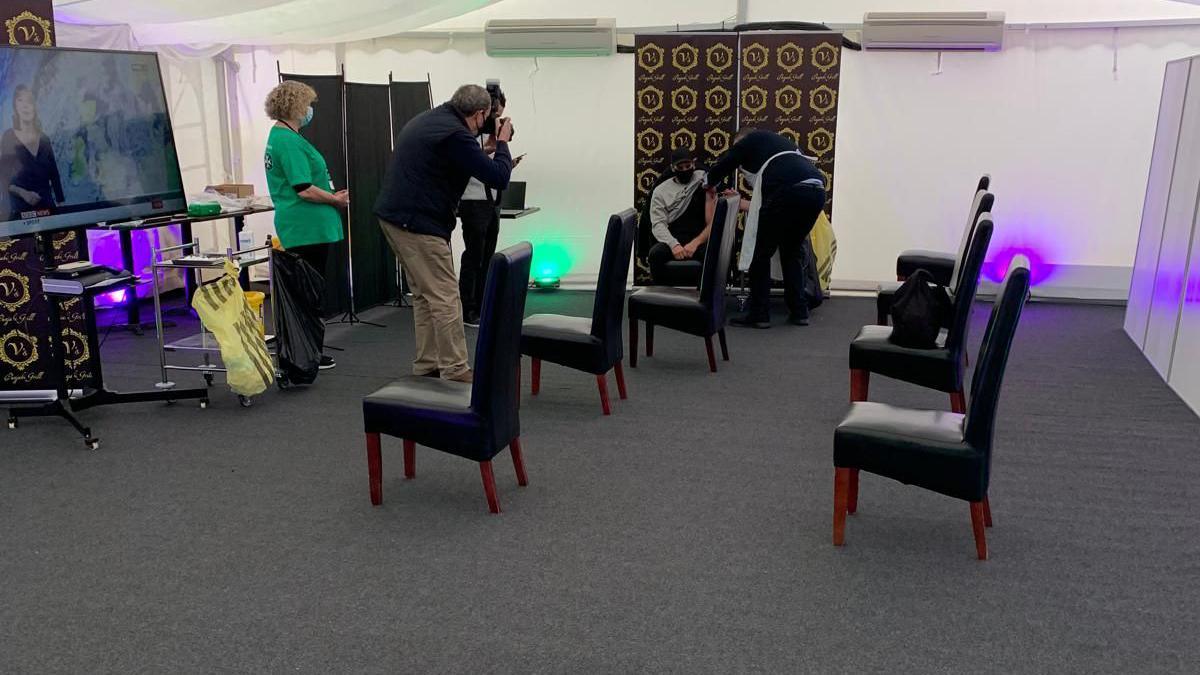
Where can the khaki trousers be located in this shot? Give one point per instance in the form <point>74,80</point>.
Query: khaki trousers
<point>437,312</point>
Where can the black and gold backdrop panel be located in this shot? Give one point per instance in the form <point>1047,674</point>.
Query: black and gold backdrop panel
<point>685,95</point>
<point>699,89</point>
<point>789,85</point>
<point>25,358</point>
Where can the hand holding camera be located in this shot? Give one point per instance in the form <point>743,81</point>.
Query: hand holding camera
<point>505,133</point>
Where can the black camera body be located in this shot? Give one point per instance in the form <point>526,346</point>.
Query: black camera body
<point>498,100</point>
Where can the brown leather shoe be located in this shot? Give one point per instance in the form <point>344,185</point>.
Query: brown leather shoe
<point>466,377</point>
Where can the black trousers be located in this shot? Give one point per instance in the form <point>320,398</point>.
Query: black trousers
<point>785,220</point>
<point>481,226</point>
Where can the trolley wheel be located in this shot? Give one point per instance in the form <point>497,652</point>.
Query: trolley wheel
<point>203,404</point>
<point>208,379</point>
<point>283,383</point>
<point>245,401</point>
<point>92,443</point>
<point>12,423</point>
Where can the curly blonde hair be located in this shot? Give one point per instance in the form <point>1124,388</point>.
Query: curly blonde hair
<point>289,100</point>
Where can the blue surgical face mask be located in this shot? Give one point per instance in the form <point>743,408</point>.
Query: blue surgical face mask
<point>308,115</point>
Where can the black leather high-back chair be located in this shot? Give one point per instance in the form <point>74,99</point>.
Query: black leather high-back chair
<point>591,345</point>
<point>475,421</point>
<point>945,268</point>
<point>948,453</point>
<point>695,312</point>
<point>941,368</point>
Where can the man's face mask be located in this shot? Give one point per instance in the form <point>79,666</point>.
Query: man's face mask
<point>684,171</point>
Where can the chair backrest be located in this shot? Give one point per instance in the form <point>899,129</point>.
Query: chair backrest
<point>983,203</point>
<point>964,296</point>
<point>719,256</point>
<point>993,357</point>
<point>985,182</point>
<point>608,312</point>
<point>498,348</point>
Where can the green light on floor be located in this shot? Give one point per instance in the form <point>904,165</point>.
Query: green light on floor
<point>550,261</point>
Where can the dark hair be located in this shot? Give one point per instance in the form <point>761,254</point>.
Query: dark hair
<point>743,132</point>
<point>24,89</point>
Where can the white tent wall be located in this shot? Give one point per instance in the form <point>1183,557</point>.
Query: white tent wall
<point>573,117</point>
<point>1066,139</point>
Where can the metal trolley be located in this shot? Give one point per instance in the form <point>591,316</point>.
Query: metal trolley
<point>204,342</point>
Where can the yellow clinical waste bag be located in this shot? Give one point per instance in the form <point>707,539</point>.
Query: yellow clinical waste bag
<point>824,244</point>
<point>224,311</point>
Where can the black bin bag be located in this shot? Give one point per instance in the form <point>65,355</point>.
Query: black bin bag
<point>919,310</point>
<point>300,331</point>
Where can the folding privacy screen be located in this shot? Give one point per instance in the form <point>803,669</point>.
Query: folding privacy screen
<point>1163,314</point>
<point>353,128</point>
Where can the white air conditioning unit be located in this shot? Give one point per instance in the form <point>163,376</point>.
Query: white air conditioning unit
<point>935,31</point>
<point>550,37</point>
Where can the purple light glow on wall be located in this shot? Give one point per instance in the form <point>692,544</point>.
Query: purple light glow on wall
<point>105,249</point>
<point>995,269</point>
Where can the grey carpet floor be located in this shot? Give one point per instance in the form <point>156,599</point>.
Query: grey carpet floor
<point>688,532</point>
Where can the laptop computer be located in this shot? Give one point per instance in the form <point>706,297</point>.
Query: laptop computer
<point>512,201</point>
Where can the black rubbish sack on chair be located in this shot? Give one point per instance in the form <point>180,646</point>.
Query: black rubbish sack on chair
<point>919,311</point>
<point>299,329</point>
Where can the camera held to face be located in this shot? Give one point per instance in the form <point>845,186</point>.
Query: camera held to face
<point>490,125</point>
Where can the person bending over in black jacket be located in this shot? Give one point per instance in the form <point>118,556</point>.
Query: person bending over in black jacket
<point>436,155</point>
<point>789,193</point>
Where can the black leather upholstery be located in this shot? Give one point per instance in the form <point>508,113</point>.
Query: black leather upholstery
<point>680,273</point>
<point>592,345</point>
<point>472,421</point>
<point>945,452</point>
<point>944,266</point>
<point>696,312</point>
<point>940,368</point>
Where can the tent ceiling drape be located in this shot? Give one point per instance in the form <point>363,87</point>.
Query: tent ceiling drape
<point>269,22</point>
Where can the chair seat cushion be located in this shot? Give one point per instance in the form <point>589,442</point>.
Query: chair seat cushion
<point>565,340</point>
<point>933,368</point>
<point>433,412</point>
<point>676,308</point>
<point>938,263</point>
<point>916,447</point>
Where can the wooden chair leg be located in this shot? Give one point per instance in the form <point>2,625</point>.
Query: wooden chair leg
<point>602,385</point>
<point>958,402</point>
<point>619,370</point>
<point>860,384</point>
<point>841,493</point>
<point>977,524</point>
<point>987,512</point>
<point>724,345</point>
<point>536,384</point>
<point>852,495</point>
<point>375,469</point>
<point>514,449</point>
<point>649,339</point>
<point>712,357</point>
<point>633,343</point>
<point>489,486</point>
<point>901,278</point>
<point>410,459</point>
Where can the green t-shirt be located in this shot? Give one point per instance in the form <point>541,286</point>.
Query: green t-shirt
<point>291,160</point>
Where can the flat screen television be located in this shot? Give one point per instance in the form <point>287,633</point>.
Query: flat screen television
<point>85,137</point>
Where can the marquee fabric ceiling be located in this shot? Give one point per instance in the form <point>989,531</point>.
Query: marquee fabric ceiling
<point>329,21</point>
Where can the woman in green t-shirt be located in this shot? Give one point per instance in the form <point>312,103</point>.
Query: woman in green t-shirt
<point>307,218</point>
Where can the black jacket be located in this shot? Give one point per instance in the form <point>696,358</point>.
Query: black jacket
<point>756,148</point>
<point>435,157</point>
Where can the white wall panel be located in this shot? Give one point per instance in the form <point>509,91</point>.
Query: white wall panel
<point>1177,235</point>
<point>1154,210</point>
<point>1184,377</point>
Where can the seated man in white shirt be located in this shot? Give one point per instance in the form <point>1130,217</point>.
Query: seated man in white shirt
<point>681,214</point>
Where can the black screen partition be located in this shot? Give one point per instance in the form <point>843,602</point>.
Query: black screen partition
<point>369,143</point>
<point>327,133</point>
<point>409,99</point>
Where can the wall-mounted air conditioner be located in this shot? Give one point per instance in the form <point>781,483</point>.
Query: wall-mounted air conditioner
<point>550,37</point>
<point>936,31</point>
